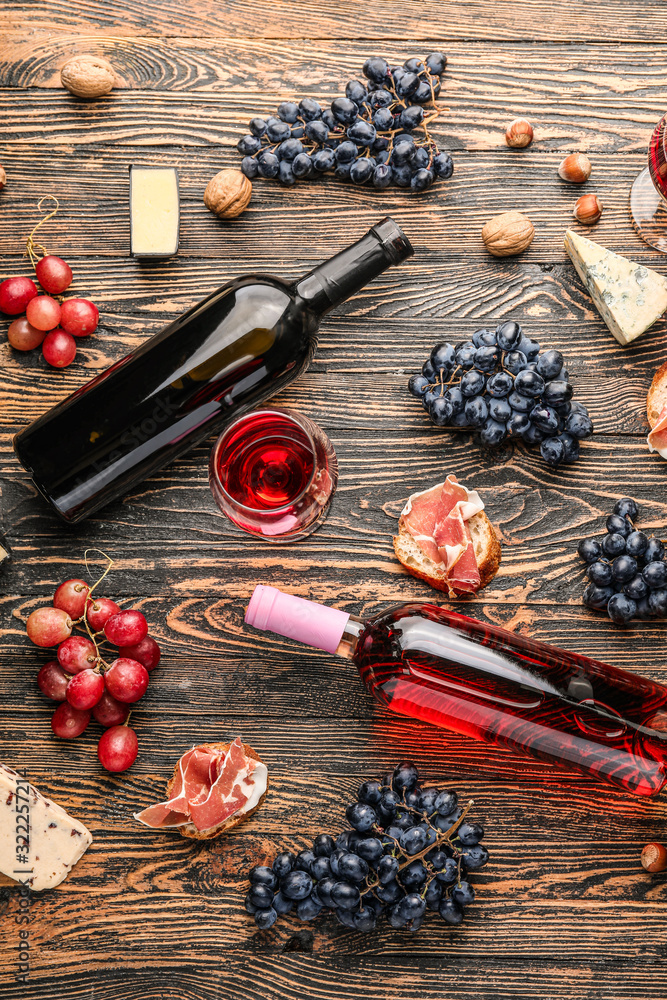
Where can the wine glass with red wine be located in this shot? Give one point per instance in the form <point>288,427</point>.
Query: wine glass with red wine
<point>648,195</point>
<point>273,472</point>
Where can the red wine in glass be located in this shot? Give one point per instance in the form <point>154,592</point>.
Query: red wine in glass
<point>273,472</point>
<point>648,195</point>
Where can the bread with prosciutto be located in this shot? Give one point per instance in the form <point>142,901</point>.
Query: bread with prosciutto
<point>656,411</point>
<point>214,787</point>
<point>445,538</point>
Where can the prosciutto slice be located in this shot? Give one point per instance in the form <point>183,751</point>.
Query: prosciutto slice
<point>437,519</point>
<point>210,786</point>
<point>657,439</point>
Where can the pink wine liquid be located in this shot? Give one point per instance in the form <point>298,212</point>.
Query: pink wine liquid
<point>657,157</point>
<point>431,664</point>
<point>268,461</point>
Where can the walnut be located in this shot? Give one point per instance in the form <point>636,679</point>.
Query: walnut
<point>508,234</point>
<point>228,193</point>
<point>88,76</point>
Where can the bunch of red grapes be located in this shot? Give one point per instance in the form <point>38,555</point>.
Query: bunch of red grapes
<point>48,322</point>
<point>85,683</point>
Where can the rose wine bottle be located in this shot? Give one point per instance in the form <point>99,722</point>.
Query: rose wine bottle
<point>423,661</point>
<point>241,345</point>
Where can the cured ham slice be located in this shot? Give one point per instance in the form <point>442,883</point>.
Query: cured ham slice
<point>657,439</point>
<point>437,519</point>
<point>225,796</point>
<point>210,785</point>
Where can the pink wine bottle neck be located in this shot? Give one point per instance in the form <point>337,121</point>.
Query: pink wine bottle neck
<point>306,621</point>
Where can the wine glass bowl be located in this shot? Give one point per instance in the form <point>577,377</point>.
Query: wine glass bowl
<point>273,472</point>
<point>648,204</point>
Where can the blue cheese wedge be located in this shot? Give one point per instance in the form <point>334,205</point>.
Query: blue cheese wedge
<point>39,842</point>
<point>628,296</point>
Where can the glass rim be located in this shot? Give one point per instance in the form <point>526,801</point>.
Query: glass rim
<point>296,418</point>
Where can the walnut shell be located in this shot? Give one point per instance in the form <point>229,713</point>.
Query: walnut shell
<point>228,193</point>
<point>87,76</point>
<point>508,234</point>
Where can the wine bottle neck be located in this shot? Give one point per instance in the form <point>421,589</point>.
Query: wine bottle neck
<point>347,646</point>
<point>337,279</point>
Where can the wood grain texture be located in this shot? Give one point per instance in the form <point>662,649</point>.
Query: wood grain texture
<point>504,20</point>
<point>564,911</point>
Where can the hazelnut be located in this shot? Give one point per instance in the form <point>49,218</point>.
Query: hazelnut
<point>508,234</point>
<point>587,209</point>
<point>88,76</point>
<point>228,193</point>
<point>575,168</point>
<point>654,858</point>
<point>519,133</point>
<point>3,178</point>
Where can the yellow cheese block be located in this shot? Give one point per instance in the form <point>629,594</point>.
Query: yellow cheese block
<point>154,211</point>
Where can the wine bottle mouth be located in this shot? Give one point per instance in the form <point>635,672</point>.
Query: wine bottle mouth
<point>393,239</point>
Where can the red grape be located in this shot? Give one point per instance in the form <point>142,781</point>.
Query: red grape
<point>79,317</point>
<point>48,626</point>
<point>99,611</point>
<point>53,274</point>
<point>71,597</point>
<point>15,294</point>
<point>76,653</point>
<point>24,337</point>
<point>69,722</point>
<point>126,628</point>
<point>147,652</point>
<point>118,748</point>
<point>109,712</point>
<point>59,348</point>
<point>43,312</point>
<point>126,680</point>
<point>52,681</point>
<point>85,689</point>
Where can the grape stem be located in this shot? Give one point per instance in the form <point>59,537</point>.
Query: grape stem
<point>443,838</point>
<point>30,244</point>
<point>101,664</point>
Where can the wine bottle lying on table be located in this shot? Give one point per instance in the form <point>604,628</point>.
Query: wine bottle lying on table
<point>241,345</point>
<point>479,680</point>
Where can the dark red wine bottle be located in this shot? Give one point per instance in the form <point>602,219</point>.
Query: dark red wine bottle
<point>479,680</point>
<point>241,345</point>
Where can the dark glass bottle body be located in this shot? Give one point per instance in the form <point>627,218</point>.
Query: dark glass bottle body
<point>240,346</point>
<point>428,663</point>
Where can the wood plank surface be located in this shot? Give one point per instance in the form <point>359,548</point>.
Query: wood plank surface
<point>564,911</point>
<point>503,20</point>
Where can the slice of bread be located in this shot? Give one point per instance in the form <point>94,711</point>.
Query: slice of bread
<point>190,830</point>
<point>657,395</point>
<point>485,544</point>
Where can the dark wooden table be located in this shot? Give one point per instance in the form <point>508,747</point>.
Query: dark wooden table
<point>564,911</point>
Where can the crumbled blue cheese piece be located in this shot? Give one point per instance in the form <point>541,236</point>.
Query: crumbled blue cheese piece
<point>39,842</point>
<point>628,296</point>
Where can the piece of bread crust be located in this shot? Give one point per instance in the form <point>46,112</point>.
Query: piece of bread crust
<point>485,544</point>
<point>657,395</point>
<point>190,830</point>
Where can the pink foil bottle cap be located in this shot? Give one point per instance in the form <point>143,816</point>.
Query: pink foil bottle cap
<point>313,624</point>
